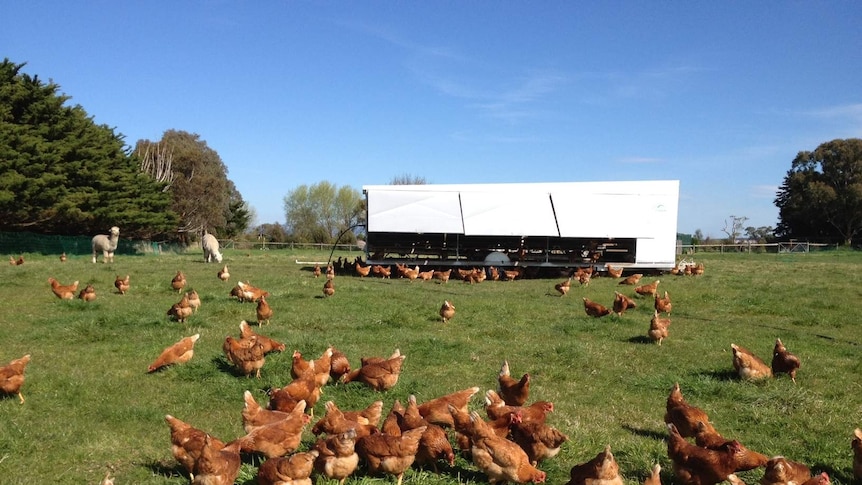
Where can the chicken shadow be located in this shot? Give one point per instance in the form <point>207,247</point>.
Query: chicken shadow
<point>641,339</point>
<point>646,433</point>
<point>224,366</point>
<point>722,375</point>
<point>162,469</point>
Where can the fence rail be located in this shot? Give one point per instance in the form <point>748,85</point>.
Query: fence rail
<point>749,247</point>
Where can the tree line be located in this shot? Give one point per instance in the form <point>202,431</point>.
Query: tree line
<point>62,173</point>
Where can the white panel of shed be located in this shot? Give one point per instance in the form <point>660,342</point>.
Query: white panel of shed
<point>414,212</point>
<point>499,213</point>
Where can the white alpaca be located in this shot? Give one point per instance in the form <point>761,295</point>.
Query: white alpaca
<point>210,245</point>
<point>106,244</point>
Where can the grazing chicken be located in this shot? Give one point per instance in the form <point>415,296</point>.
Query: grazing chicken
<point>178,353</point>
<point>613,272</point>
<point>783,362</point>
<point>822,479</point>
<point>655,476</point>
<point>594,309</point>
<point>303,388</point>
<point>300,366</point>
<point>88,293</point>
<point>178,282</point>
<point>316,271</point>
<point>277,438</point>
<point>496,408</point>
<point>412,274</point>
<point>683,415</point>
<point>63,292</point>
<point>436,411</point>
<point>269,344</point>
<point>622,303</point>
<point>223,274</point>
<point>122,284</point>
<point>584,278</point>
<point>434,444</point>
<point>263,311</point>
<point>12,377</point>
<point>328,288</point>
<point>500,459</point>
<point>247,355</point>
<point>563,287</point>
<point>194,300</point>
<point>16,262</point>
<point>63,258</point>
<point>388,454</point>
<point>513,391</point>
<point>251,293</point>
<point>426,275</point>
<point>443,276</point>
<point>181,310</point>
<point>330,272</point>
<point>601,470</point>
<point>781,471</point>
<point>511,274</point>
<point>743,459</point>
<point>659,328</point>
<point>694,465</point>
<point>322,366</point>
<point>288,470</point>
<point>362,271</point>
<point>335,421</point>
<point>494,273</point>
<point>337,458</point>
<point>856,446</point>
<point>187,443</point>
<point>217,465</point>
<point>254,416</point>
<point>539,440</point>
<point>748,365</point>
<point>663,304</point>
<point>380,376</point>
<point>632,279</point>
<point>649,289</point>
<point>338,365</point>
<point>447,311</point>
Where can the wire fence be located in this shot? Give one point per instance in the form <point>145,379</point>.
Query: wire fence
<point>751,247</point>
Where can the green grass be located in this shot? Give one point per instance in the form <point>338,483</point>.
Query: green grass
<point>90,405</point>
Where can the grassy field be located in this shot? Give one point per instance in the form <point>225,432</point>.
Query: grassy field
<point>91,407</point>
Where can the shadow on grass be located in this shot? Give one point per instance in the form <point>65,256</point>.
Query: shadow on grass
<point>722,375</point>
<point>646,433</point>
<point>162,469</point>
<point>641,339</point>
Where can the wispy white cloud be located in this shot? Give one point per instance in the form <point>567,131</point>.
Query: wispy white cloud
<point>763,191</point>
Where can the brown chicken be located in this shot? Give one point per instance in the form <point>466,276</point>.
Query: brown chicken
<point>246,355</point>
<point>648,289</point>
<point>288,470</point>
<point>335,421</point>
<point>539,440</point>
<point>12,377</point>
<point>380,376</point>
<point>683,415</point>
<point>390,454</point>
<point>443,276</point>
<point>330,271</point>
<point>821,479</point>
<point>514,392</point>
<point>426,275</point>
<point>16,262</point>
<point>613,272</point>
<point>783,362</point>
<point>122,284</point>
<point>194,300</point>
<point>744,459</point>
<point>263,311</point>
<point>178,282</point>
<point>269,344</point>
<point>447,311</point>
<point>511,274</point>
<point>319,369</point>
<point>64,292</point>
<point>601,470</point>
<point>659,328</point>
<point>594,309</point>
<point>362,271</point>
<point>496,408</point>
<point>500,459</point>
<point>328,288</point>
<point>748,365</point>
<point>622,303</point>
<point>856,446</point>
<point>217,465</point>
<point>254,416</point>
<point>631,279</point>
<point>338,365</point>
<point>187,443</point>
<point>181,310</point>
<point>278,438</point>
<point>436,411</point>
<point>302,388</point>
<point>88,293</point>
<point>63,258</point>
<point>781,471</point>
<point>694,465</point>
<point>663,304</point>
<point>251,293</point>
<point>178,353</point>
<point>223,274</point>
<point>655,476</point>
<point>412,274</point>
<point>337,458</point>
<point>563,287</point>
<point>434,444</point>
<point>316,271</point>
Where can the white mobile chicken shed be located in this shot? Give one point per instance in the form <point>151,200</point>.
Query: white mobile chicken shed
<point>630,223</point>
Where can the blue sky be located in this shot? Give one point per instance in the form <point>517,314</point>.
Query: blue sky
<point>719,95</point>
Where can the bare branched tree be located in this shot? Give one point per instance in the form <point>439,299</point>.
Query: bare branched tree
<point>157,163</point>
<point>733,228</point>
